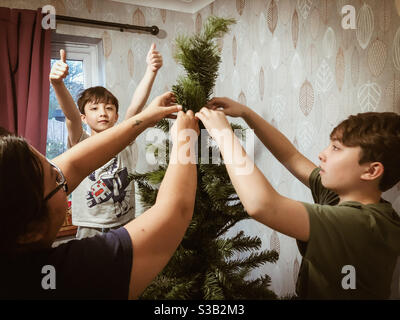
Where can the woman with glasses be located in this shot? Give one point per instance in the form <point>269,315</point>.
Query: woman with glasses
<point>33,204</point>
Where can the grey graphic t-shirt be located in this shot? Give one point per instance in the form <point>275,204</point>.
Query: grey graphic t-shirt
<point>106,198</point>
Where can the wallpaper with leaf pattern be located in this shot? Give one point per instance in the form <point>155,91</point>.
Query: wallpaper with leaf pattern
<point>289,60</point>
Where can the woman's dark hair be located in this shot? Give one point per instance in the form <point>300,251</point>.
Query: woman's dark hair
<point>21,190</point>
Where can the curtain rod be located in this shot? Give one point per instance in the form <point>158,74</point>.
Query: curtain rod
<point>153,29</point>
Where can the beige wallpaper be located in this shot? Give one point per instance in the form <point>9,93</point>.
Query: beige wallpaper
<point>290,60</point>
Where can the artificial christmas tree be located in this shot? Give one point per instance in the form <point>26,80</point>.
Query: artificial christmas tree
<point>204,265</point>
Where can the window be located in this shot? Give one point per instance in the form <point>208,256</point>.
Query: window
<point>86,69</point>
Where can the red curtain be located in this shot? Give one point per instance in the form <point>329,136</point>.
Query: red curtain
<point>25,52</point>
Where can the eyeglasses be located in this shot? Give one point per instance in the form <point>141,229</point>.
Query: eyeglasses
<point>62,183</point>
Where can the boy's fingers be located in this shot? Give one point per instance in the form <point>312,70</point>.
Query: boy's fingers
<point>63,56</point>
<point>200,117</point>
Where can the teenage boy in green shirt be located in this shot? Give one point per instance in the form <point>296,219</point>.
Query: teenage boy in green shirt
<point>349,239</point>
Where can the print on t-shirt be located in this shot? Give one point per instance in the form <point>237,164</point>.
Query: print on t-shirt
<point>111,184</point>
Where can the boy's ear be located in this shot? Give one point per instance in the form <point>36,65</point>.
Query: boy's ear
<point>83,118</point>
<point>373,171</point>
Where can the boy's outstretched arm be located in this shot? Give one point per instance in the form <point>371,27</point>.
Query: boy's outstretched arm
<point>58,72</point>
<point>283,150</point>
<point>157,233</point>
<point>259,198</point>
<point>154,62</point>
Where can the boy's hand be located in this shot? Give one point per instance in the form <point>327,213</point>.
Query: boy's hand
<point>161,107</point>
<point>214,121</point>
<point>228,106</point>
<point>59,71</point>
<point>154,59</point>
<point>184,121</point>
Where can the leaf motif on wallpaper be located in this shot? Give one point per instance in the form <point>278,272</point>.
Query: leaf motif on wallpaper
<point>255,64</point>
<point>305,135</point>
<point>297,71</point>
<point>324,77</point>
<point>306,98</point>
<point>234,50</point>
<point>252,88</point>
<point>329,43</point>
<point>304,7</point>
<point>130,63</point>
<point>272,16</point>
<point>199,23</point>
<point>236,86</point>
<point>275,52</point>
<point>262,28</point>
<point>377,56</point>
<point>75,5</point>
<point>138,18</point>
<point>397,3</point>
<point>365,25</point>
<point>163,13</point>
<point>369,96</point>
<point>89,5</point>
<point>396,50</point>
<point>347,38</point>
<point>107,44</point>
<point>281,77</point>
<point>323,5</point>
<point>340,69</point>
<point>242,98</point>
<point>285,11</point>
<point>240,5</point>
<point>278,106</point>
<point>261,83</point>
<point>385,15</point>
<point>295,28</point>
<point>339,5</point>
<point>312,59</point>
<point>274,242</point>
<point>314,23</point>
<point>59,5</point>
<point>355,66</point>
<point>330,112</point>
<point>296,269</point>
<point>392,95</point>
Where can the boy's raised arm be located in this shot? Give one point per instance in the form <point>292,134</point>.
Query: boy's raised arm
<point>142,92</point>
<point>283,150</point>
<point>58,72</point>
<point>259,198</point>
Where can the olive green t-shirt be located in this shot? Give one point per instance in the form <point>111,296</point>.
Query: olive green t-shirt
<point>352,249</point>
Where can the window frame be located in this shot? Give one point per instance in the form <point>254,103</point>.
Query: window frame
<point>88,50</point>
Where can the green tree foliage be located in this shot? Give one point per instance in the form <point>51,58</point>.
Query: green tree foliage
<point>208,264</point>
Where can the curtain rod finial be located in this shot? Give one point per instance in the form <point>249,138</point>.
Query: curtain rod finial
<point>154,30</point>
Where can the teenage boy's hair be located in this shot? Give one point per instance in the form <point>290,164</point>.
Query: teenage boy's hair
<point>378,135</point>
<point>96,95</point>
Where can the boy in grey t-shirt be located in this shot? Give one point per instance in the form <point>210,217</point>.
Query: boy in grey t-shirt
<point>105,199</point>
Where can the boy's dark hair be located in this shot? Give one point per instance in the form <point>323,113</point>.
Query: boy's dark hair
<point>378,135</point>
<point>96,95</point>
<point>21,190</point>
